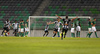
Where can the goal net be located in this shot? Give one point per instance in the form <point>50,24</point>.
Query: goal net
<point>37,25</point>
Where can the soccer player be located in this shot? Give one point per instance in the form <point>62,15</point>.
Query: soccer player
<point>89,28</point>
<point>93,28</point>
<point>26,28</point>
<point>57,24</point>
<point>65,25</point>
<point>46,29</point>
<point>73,27</point>
<point>15,27</point>
<point>19,29</point>
<point>6,28</point>
<point>21,26</point>
<point>78,28</point>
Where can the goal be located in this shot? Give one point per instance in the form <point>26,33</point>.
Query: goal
<point>37,25</point>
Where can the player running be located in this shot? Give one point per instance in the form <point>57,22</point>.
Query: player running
<point>57,24</point>
<point>65,25</point>
<point>26,28</point>
<point>6,28</point>
<point>15,28</point>
<point>78,28</point>
<point>93,28</point>
<point>46,29</point>
<point>89,28</point>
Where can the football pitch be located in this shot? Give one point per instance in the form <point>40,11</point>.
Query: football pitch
<point>49,45</point>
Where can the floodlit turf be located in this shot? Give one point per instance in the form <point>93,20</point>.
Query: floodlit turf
<point>48,45</point>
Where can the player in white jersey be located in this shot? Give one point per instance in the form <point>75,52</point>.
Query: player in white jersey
<point>6,28</point>
<point>15,28</point>
<point>46,29</point>
<point>57,24</point>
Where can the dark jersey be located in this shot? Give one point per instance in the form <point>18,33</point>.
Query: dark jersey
<point>94,22</point>
<point>7,24</point>
<point>78,23</point>
<point>66,21</point>
<point>89,23</point>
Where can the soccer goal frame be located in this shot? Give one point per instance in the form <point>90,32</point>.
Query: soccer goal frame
<point>70,17</point>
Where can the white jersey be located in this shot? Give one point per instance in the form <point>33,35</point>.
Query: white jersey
<point>15,25</point>
<point>46,27</point>
<point>57,24</point>
<point>7,24</point>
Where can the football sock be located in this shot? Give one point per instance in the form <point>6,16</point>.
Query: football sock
<point>43,34</point>
<point>77,34</point>
<point>87,34</point>
<point>54,35</point>
<point>27,33</point>
<point>96,34</point>
<point>47,34</point>
<point>90,34</point>
<point>58,34</point>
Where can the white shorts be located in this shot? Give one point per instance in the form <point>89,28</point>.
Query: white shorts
<point>78,28</point>
<point>72,30</point>
<point>22,30</point>
<point>90,29</point>
<point>19,30</point>
<point>93,29</point>
<point>58,29</point>
<point>27,29</point>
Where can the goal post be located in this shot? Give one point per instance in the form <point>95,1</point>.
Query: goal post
<point>37,24</point>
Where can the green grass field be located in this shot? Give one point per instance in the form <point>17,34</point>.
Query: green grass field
<point>48,45</point>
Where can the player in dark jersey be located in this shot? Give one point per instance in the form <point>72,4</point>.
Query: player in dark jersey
<point>65,25</point>
<point>21,26</point>
<point>57,24</point>
<point>46,29</point>
<point>19,29</point>
<point>89,28</point>
<point>78,28</point>
<point>6,28</point>
<point>73,27</point>
<point>93,28</point>
<point>26,28</point>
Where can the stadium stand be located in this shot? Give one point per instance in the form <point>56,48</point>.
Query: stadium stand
<point>22,9</point>
<point>73,8</point>
<point>17,9</point>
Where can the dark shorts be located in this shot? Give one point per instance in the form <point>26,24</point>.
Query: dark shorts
<point>6,28</point>
<point>15,30</point>
<point>46,31</point>
<point>56,30</point>
<point>64,29</point>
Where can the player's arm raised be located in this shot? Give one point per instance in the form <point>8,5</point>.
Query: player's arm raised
<point>58,16</point>
<point>51,22</point>
<point>74,18</point>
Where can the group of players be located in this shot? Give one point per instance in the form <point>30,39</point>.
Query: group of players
<point>65,27</point>
<point>19,28</point>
